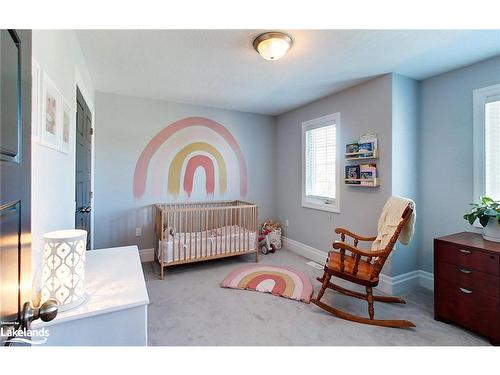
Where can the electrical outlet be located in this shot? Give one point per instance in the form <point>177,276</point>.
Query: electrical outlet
<point>138,232</point>
<point>287,223</point>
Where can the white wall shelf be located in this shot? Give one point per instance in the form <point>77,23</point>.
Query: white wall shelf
<point>363,182</point>
<point>362,155</point>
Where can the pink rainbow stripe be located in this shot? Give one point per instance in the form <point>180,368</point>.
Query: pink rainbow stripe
<point>303,288</point>
<point>158,174</point>
<point>207,164</point>
<point>141,168</point>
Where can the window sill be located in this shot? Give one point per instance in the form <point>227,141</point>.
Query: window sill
<point>322,207</point>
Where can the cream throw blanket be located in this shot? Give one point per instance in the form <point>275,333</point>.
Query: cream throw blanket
<point>389,220</point>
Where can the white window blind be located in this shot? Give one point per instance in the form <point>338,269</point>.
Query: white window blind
<point>492,149</point>
<point>320,162</point>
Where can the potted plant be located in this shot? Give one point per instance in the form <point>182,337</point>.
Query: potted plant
<point>487,211</point>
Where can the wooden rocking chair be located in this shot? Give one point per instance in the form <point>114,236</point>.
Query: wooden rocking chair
<point>362,267</point>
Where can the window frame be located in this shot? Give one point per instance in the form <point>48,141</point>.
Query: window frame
<point>314,124</point>
<point>479,99</point>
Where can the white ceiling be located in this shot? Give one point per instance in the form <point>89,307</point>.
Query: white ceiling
<point>219,68</point>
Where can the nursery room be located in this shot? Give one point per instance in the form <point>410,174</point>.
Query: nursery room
<point>260,186</point>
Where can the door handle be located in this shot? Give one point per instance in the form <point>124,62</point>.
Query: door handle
<point>46,312</point>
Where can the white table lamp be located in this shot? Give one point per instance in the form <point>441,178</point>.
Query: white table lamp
<point>63,268</point>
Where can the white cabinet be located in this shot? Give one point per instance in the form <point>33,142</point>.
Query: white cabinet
<point>115,311</point>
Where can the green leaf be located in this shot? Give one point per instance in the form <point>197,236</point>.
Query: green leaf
<point>472,219</point>
<point>484,220</point>
<point>490,212</point>
<point>486,200</point>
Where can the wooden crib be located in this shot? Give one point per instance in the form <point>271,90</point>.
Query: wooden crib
<point>193,232</point>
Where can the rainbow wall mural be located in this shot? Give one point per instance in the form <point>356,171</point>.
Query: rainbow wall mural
<point>174,160</point>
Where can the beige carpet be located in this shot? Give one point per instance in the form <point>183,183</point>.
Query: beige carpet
<point>189,308</point>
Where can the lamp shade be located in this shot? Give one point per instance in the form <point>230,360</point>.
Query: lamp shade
<point>63,267</point>
<point>272,45</point>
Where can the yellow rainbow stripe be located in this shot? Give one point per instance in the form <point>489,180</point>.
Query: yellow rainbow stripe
<point>174,172</point>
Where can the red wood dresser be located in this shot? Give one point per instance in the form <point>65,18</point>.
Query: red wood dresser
<point>467,283</point>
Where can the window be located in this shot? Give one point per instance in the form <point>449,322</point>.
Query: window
<point>320,177</point>
<point>487,142</point>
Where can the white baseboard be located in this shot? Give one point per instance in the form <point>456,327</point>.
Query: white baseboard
<point>426,279</point>
<point>388,284</point>
<point>306,251</point>
<point>146,255</point>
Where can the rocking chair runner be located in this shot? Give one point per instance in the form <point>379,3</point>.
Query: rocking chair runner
<point>361,271</point>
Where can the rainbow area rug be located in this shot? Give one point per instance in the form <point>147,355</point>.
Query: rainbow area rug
<point>279,281</point>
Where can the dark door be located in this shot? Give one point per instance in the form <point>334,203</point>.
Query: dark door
<point>15,174</point>
<point>83,194</point>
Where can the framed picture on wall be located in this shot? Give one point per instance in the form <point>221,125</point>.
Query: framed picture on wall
<point>66,129</point>
<point>50,131</point>
<point>36,102</point>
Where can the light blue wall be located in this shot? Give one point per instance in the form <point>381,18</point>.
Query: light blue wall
<point>405,132</point>
<point>445,151</point>
<point>125,125</point>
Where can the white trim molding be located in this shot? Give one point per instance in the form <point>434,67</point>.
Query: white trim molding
<point>322,204</point>
<point>147,255</point>
<point>479,98</point>
<point>388,284</point>
<point>80,84</point>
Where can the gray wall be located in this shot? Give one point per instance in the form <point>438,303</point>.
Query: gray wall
<point>124,125</point>
<point>405,133</point>
<point>446,176</point>
<point>363,108</point>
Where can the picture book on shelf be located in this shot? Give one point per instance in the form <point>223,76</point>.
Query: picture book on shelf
<point>352,172</point>
<point>368,172</point>
<point>366,147</point>
<point>351,148</point>
<point>369,138</point>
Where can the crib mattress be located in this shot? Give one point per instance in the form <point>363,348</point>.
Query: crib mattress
<point>196,245</point>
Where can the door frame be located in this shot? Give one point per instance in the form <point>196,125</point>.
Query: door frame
<point>80,84</point>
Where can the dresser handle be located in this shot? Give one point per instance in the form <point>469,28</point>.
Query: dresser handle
<point>466,291</point>
<point>465,251</point>
<point>465,270</point>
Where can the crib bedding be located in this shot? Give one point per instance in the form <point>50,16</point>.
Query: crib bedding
<point>218,241</point>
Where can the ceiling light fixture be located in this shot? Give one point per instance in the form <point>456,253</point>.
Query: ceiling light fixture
<point>272,45</point>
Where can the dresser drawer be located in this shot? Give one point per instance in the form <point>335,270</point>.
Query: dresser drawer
<point>469,308</point>
<point>468,258</point>
<point>469,278</point>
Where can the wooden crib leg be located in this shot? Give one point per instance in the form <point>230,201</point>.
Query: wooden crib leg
<point>257,256</point>
<point>161,272</point>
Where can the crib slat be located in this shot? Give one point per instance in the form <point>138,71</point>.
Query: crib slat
<point>174,232</point>
<point>206,234</point>
<point>190,233</point>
